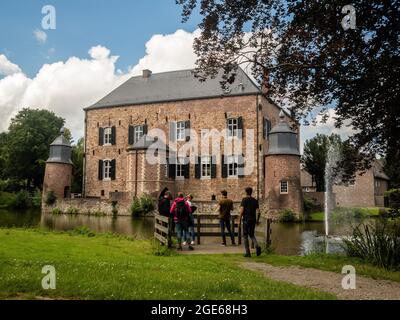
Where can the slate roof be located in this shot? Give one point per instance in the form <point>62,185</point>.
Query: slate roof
<point>173,86</point>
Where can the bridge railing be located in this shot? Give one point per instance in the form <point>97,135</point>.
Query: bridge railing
<point>164,228</point>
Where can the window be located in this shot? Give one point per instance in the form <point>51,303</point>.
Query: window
<point>107,169</point>
<point>233,165</point>
<point>180,168</point>
<point>232,128</point>
<point>284,187</point>
<point>138,132</point>
<point>107,136</point>
<point>267,127</point>
<point>206,167</point>
<point>180,131</point>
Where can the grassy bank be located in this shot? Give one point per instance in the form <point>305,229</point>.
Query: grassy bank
<point>340,212</point>
<point>112,267</point>
<point>92,266</point>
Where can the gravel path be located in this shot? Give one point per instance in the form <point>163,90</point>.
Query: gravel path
<point>366,288</point>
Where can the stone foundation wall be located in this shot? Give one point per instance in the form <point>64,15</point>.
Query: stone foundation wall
<point>93,206</point>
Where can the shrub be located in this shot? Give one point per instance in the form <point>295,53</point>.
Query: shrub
<point>308,204</point>
<point>136,208</point>
<point>147,204</point>
<point>37,199</point>
<point>287,215</point>
<point>56,211</point>
<point>72,210</point>
<point>142,206</point>
<point>378,243</point>
<point>7,199</point>
<point>50,198</point>
<point>22,200</point>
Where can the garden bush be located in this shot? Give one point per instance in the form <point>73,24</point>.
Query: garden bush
<point>142,206</point>
<point>37,199</point>
<point>378,243</point>
<point>22,200</point>
<point>287,215</point>
<point>308,204</point>
<point>7,199</point>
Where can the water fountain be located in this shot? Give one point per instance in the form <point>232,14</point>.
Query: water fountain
<point>329,243</point>
<point>332,176</point>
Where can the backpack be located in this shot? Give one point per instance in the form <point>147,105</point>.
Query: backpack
<point>181,210</point>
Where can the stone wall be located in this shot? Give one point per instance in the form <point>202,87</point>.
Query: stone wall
<point>87,206</point>
<point>93,206</point>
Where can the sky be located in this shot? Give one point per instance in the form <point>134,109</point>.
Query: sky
<point>96,45</point>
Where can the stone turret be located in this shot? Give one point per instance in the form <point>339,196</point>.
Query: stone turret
<point>282,169</point>
<point>58,172</point>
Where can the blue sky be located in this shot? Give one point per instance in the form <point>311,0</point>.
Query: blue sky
<point>122,26</point>
<point>96,46</point>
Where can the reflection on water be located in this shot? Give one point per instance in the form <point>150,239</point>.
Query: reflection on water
<point>139,228</point>
<point>288,239</point>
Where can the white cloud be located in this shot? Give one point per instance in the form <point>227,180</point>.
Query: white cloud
<point>6,67</point>
<point>308,132</point>
<point>168,52</point>
<point>40,36</point>
<point>66,87</point>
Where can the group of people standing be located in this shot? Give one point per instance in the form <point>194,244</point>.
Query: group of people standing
<point>180,211</point>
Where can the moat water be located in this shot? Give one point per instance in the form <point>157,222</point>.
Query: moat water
<point>287,238</point>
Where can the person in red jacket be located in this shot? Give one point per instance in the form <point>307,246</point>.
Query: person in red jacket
<point>181,211</point>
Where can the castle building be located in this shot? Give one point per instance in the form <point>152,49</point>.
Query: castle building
<point>119,132</point>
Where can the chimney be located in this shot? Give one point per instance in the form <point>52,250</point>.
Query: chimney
<point>146,73</point>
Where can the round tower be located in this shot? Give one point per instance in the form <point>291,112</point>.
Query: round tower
<point>282,169</point>
<point>58,172</point>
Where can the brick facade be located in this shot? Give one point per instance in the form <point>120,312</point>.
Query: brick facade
<point>203,114</point>
<point>285,168</point>
<point>57,178</point>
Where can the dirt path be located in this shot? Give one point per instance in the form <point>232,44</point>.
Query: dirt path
<point>366,288</point>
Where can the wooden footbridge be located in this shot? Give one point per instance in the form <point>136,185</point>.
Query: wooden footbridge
<point>204,223</point>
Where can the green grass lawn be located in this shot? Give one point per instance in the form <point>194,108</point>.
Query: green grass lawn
<point>366,212</point>
<point>113,267</point>
<point>94,266</point>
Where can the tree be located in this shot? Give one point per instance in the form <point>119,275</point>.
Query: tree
<point>308,62</point>
<point>77,160</point>
<point>314,159</point>
<point>27,145</point>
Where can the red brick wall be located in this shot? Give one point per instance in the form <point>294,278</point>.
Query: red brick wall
<point>283,168</point>
<point>57,176</point>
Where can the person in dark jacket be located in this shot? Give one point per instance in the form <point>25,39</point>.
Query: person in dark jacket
<point>181,211</point>
<point>250,215</point>
<point>162,194</point>
<point>164,204</point>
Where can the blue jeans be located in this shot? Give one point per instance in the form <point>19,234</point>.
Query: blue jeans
<point>191,236</point>
<point>226,224</point>
<point>181,230</point>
